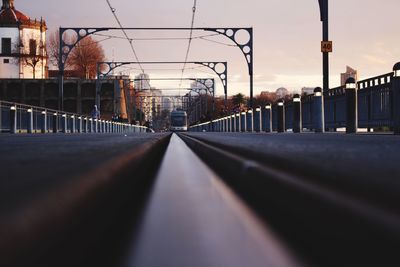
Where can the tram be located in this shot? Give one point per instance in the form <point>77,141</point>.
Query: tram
<point>179,121</point>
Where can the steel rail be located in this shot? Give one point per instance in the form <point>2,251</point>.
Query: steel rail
<point>314,219</point>
<point>194,219</point>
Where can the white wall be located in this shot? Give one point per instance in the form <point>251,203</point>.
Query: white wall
<point>11,69</point>
<point>27,71</point>
<point>15,69</point>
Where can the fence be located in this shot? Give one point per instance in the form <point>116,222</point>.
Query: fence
<point>377,105</point>
<point>20,118</point>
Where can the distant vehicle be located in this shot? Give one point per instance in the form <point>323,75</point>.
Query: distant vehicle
<point>178,121</point>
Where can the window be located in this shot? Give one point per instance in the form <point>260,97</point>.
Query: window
<point>6,61</point>
<point>6,46</point>
<point>32,47</point>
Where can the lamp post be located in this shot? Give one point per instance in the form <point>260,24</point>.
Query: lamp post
<point>326,45</point>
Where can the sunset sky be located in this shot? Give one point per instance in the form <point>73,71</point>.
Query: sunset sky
<point>287,37</point>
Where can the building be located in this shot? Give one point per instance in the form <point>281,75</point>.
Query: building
<point>23,45</point>
<point>79,95</point>
<point>142,82</point>
<point>307,90</point>
<point>350,73</point>
<point>148,99</point>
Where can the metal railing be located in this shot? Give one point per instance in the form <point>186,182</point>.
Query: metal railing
<point>20,118</point>
<point>377,105</point>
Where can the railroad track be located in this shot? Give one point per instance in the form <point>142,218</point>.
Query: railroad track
<point>183,200</point>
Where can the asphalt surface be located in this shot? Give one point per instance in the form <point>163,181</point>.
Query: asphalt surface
<point>31,165</point>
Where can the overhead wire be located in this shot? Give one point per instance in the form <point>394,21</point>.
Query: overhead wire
<point>190,37</point>
<point>160,38</point>
<point>113,11</point>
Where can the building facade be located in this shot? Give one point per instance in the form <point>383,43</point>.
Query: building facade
<point>23,45</point>
<point>350,73</point>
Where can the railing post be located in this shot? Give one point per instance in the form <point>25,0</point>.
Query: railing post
<point>257,120</point>
<point>281,116</point>
<point>43,118</point>
<point>243,121</point>
<point>396,98</point>
<point>233,123</point>
<point>86,124</point>
<point>351,106</point>
<point>267,118</point>
<point>13,119</point>
<point>79,124</point>
<point>72,124</point>
<point>318,111</point>
<point>297,123</point>
<point>64,123</point>
<point>1,118</point>
<point>55,122</point>
<point>30,121</point>
<point>238,120</point>
<point>249,120</point>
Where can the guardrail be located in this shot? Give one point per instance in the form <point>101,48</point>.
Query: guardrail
<point>370,103</point>
<point>20,118</point>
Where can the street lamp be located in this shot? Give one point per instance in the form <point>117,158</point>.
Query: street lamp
<point>326,45</point>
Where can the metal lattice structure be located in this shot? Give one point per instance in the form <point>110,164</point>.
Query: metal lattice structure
<point>246,47</point>
<point>222,74</point>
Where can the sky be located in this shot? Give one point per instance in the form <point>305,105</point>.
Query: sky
<point>287,36</point>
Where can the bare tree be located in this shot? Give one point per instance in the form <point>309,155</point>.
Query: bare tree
<point>33,54</point>
<point>53,48</point>
<point>83,57</point>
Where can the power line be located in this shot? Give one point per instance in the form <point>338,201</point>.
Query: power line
<point>190,37</point>
<point>113,11</point>
<point>159,38</point>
